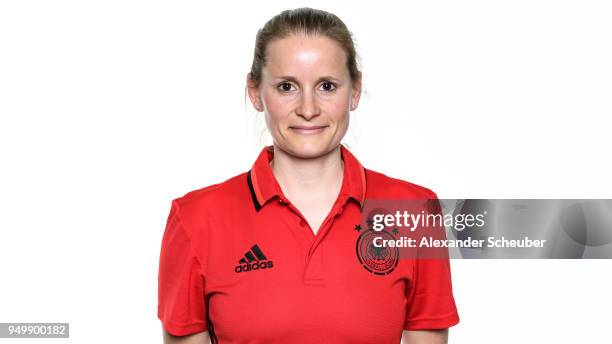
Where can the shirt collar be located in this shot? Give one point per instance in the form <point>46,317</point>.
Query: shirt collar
<point>264,186</point>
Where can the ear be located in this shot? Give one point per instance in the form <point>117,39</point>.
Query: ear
<point>254,93</point>
<point>356,93</point>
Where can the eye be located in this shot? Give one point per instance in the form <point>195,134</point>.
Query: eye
<point>284,86</point>
<point>328,86</point>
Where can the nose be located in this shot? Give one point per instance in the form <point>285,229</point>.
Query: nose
<point>307,108</point>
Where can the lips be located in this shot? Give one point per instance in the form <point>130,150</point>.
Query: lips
<point>308,129</point>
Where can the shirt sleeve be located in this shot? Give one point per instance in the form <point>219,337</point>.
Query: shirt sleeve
<point>430,302</point>
<point>181,299</point>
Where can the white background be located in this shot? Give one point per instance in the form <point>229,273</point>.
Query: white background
<point>110,109</point>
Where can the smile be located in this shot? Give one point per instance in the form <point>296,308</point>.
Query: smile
<point>308,130</point>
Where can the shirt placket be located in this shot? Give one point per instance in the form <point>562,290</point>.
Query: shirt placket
<point>313,257</point>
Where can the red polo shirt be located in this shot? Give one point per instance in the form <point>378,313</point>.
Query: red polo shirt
<point>240,261</point>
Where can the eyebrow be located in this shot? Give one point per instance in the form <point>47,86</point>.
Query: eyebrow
<point>323,78</point>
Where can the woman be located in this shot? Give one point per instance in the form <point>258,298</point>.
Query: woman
<point>268,256</point>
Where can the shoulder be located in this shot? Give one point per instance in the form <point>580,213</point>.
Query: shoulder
<point>212,197</point>
<point>379,185</point>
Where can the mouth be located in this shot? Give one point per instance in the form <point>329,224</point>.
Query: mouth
<point>308,129</point>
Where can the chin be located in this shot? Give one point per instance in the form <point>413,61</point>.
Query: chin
<point>307,149</point>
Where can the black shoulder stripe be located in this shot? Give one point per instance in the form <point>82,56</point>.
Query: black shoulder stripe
<point>365,191</point>
<point>253,196</point>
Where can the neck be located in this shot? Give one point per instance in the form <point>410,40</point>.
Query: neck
<point>304,178</point>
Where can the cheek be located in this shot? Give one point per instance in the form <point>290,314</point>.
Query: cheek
<point>339,105</point>
<point>340,113</point>
<point>343,125</point>
<point>275,110</point>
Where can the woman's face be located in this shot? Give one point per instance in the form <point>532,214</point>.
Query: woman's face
<point>306,93</point>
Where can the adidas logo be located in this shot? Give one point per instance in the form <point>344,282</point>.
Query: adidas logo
<point>254,259</point>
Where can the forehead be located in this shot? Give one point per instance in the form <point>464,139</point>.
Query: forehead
<point>300,55</point>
